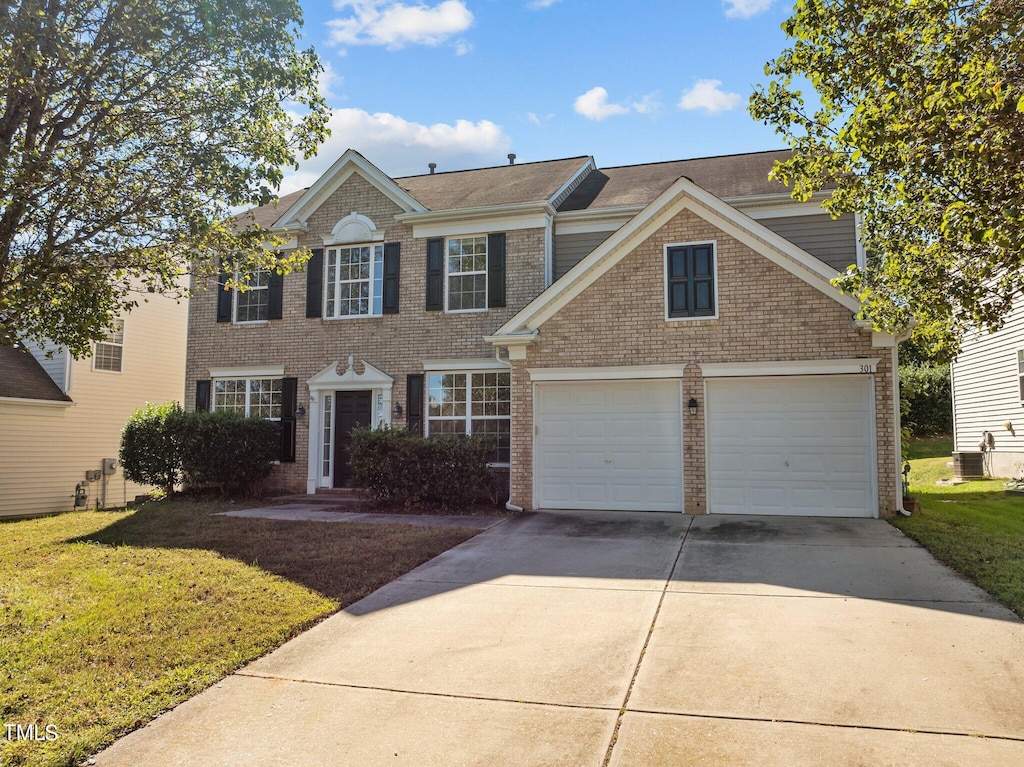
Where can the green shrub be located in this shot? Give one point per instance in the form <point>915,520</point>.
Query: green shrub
<point>926,402</point>
<point>404,468</point>
<point>165,446</point>
<point>148,454</point>
<point>229,452</point>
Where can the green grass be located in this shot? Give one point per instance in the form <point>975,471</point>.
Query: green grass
<point>108,619</point>
<point>975,528</point>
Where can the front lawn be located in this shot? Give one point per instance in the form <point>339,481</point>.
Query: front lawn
<point>108,619</point>
<point>975,528</point>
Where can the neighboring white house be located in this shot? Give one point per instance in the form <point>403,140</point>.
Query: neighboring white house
<point>61,418</point>
<point>988,396</point>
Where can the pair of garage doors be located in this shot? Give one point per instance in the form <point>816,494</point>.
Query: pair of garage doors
<point>800,445</point>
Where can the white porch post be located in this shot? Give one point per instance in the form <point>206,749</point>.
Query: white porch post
<point>315,411</point>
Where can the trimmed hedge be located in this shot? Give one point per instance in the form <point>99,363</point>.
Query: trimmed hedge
<point>926,400</point>
<point>163,445</point>
<point>402,467</point>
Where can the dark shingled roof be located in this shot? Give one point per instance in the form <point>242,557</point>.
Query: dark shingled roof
<point>24,378</point>
<point>737,175</point>
<point>500,185</point>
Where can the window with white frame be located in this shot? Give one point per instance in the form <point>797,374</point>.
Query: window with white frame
<point>354,284</point>
<point>1020,374</point>
<point>466,274</point>
<point>259,397</point>
<point>108,354</point>
<point>253,303</point>
<point>472,403</point>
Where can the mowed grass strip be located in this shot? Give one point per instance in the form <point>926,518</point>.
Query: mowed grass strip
<point>108,619</point>
<point>975,528</point>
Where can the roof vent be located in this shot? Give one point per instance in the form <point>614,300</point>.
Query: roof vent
<point>433,167</point>
<point>511,158</point>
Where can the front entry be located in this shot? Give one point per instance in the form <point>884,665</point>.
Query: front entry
<point>352,409</point>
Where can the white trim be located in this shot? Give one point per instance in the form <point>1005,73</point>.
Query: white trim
<point>291,242</point>
<point>481,365</point>
<point>599,220</point>
<point>516,344</point>
<point>486,273</point>
<point>469,417</point>
<point>354,229</point>
<point>492,223</point>
<point>475,213</point>
<point>373,246</point>
<point>714,279</point>
<point>549,250</point>
<point>96,344</point>
<point>682,195</point>
<point>857,366</point>
<point>270,371</point>
<point>563,192</point>
<point>783,210</point>
<point>35,402</point>
<point>349,163</point>
<point>606,373</point>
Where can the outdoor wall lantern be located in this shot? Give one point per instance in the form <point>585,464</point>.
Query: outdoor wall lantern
<point>300,411</point>
<point>398,409</point>
<point>692,404</point>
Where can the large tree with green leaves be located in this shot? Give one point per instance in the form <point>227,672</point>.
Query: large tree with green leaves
<point>130,131</point>
<point>915,116</point>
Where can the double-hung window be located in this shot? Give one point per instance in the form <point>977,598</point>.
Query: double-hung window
<point>109,353</point>
<point>253,303</point>
<point>258,397</point>
<point>1020,374</point>
<point>354,284</point>
<point>690,281</point>
<point>466,274</point>
<point>471,403</point>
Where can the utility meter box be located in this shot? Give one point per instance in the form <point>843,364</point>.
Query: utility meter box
<point>109,465</point>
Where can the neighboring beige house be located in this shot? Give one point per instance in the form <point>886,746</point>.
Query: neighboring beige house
<point>651,337</point>
<point>61,418</point>
<point>988,399</point>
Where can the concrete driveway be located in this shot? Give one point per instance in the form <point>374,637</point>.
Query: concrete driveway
<point>598,639</point>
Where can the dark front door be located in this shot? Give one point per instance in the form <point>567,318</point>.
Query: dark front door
<point>353,409</point>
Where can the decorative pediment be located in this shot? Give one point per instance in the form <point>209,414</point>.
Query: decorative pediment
<point>331,378</point>
<point>354,228</point>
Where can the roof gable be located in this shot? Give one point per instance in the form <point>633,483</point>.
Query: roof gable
<point>351,162</point>
<point>682,195</point>
<point>22,377</point>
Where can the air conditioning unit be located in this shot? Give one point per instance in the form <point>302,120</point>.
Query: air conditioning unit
<point>968,465</point>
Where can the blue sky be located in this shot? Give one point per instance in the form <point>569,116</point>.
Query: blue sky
<point>464,82</point>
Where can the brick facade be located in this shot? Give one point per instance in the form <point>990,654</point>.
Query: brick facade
<point>765,314</point>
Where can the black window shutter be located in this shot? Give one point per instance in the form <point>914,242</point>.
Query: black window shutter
<point>495,270</point>
<point>289,398</point>
<point>275,297</point>
<point>223,298</point>
<point>315,283</point>
<point>392,267</point>
<point>202,396</point>
<point>435,274</point>
<point>414,402</point>
<point>702,272</point>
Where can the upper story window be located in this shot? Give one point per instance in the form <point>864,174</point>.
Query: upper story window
<point>259,397</point>
<point>472,403</point>
<point>253,304</point>
<point>690,281</point>
<point>354,284</point>
<point>467,274</point>
<point>109,353</point>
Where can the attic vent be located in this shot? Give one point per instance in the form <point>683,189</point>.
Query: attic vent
<point>433,167</point>
<point>511,158</point>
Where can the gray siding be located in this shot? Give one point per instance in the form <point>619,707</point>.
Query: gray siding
<point>55,366</point>
<point>834,241</point>
<point>570,249</point>
<point>986,394</point>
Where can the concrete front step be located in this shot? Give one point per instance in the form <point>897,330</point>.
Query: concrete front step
<point>321,499</point>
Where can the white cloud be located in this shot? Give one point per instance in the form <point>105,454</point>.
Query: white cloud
<point>744,9</point>
<point>327,79</point>
<point>395,24</point>
<point>594,105</point>
<point>532,117</point>
<point>707,95</point>
<point>647,105</point>
<point>535,5</point>
<point>462,46</point>
<point>400,147</point>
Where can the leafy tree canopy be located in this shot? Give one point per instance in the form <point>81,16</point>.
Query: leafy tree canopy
<point>917,123</point>
<point>130,131</point>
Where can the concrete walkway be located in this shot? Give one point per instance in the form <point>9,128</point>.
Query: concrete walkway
<point>633,639</point>
<point>309,512</point>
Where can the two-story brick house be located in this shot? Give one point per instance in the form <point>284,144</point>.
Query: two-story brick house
<point>651,337</point>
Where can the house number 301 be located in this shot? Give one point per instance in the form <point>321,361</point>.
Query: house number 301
<point>867,368</point>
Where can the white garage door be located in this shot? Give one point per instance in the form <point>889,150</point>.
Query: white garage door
<point>791,445</point>
<point>609,445</point>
